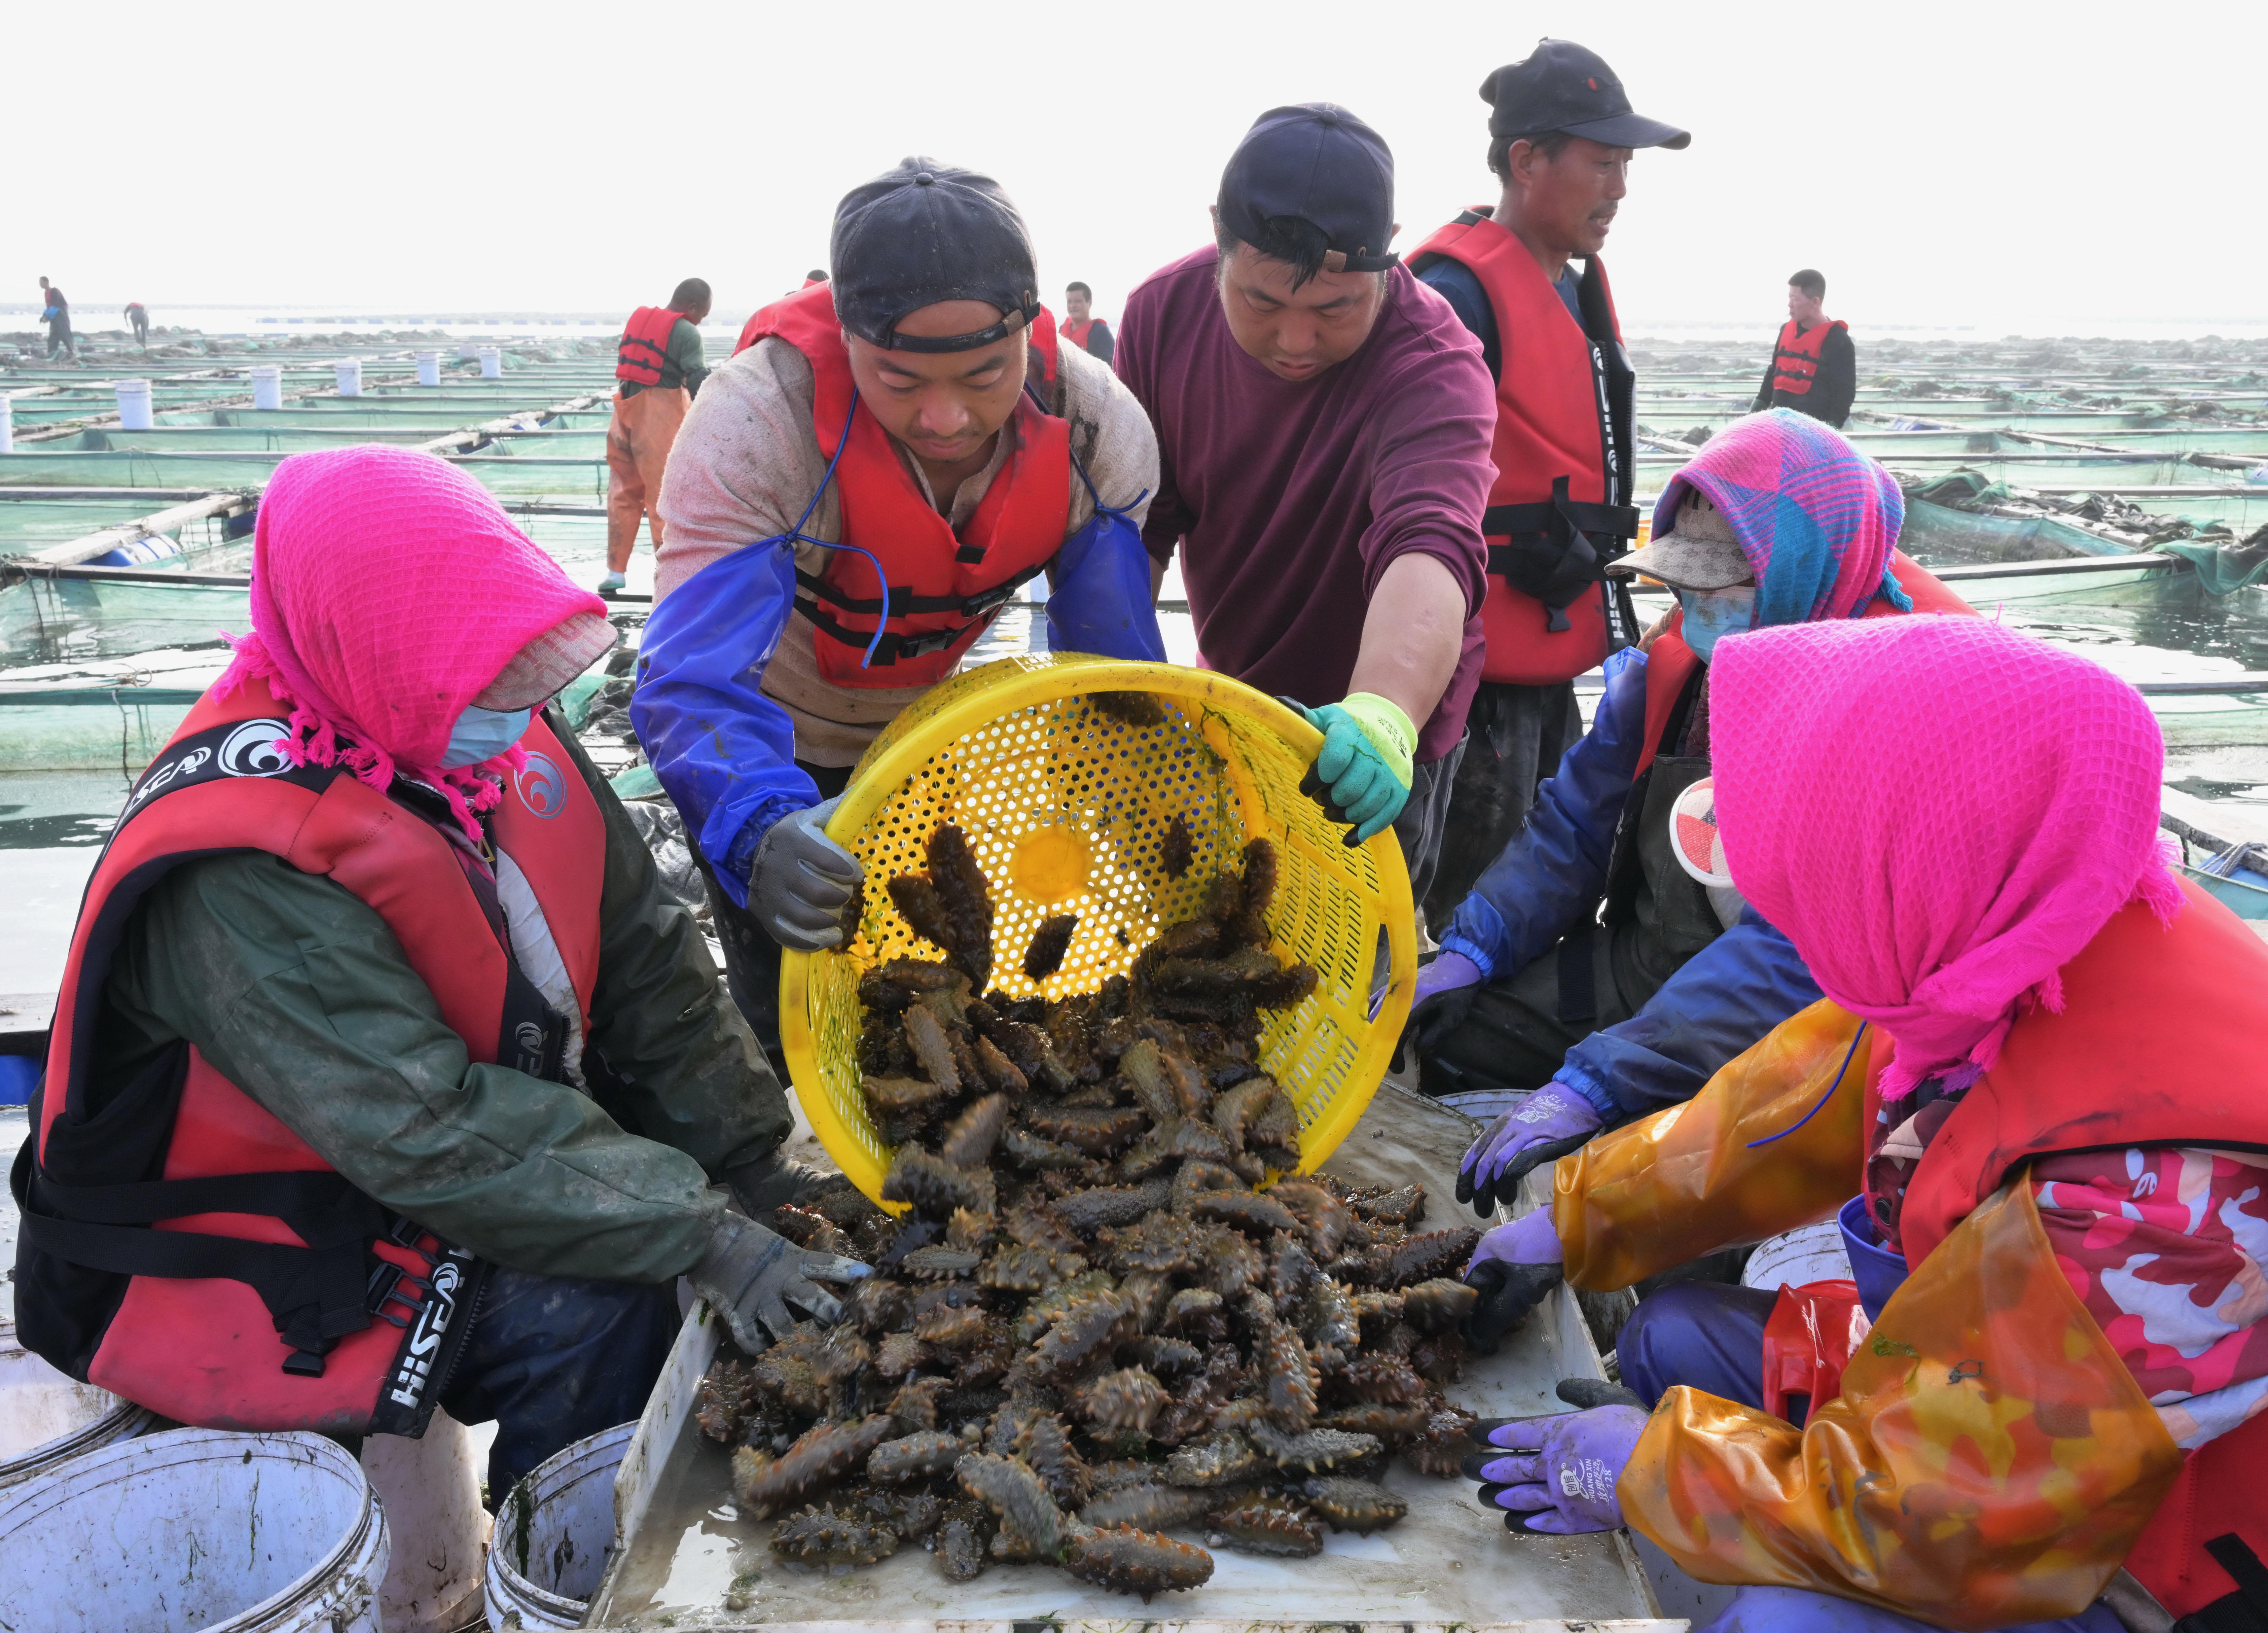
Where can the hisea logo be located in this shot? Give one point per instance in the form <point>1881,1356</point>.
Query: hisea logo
<point>434,1313</point>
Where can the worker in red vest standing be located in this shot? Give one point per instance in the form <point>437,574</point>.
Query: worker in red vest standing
<point>1814,369</point>
<point>1561,133</point>
<point>1081,327</point>
<point>658,367</point>
<point>886,458</point>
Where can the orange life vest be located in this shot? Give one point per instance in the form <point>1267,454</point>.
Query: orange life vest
<point>1076,333</point>
<point>1795,360</point>
<point>179,1245</point>
<point>1560,508</point>
<point>2158,1044</point>
<point>644,345</point>
<point>944,588</point>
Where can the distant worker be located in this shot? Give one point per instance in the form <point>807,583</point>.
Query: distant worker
<point>817,274</point>
<point>857,495</point>
<point>1080,326</point>
<point>377,1007</point>
<point>658,367</point>
<point>1561,134</point>
<point>138,315</point>
<point>57,312</point>
<point>1324,423</point>
<point>1814,369</point>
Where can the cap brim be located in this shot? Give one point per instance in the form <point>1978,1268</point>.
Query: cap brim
<point>1631,130</point>
<point>1687,563</point>
<point>542,668</point>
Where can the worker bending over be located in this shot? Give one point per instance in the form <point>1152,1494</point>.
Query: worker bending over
<point>1561,133</point>
<point>1587,964</point>
<point>1323,431</point>
<point>2037,1402</point>
<point>658,370</point>
<point>913,421</point>
<point>1814,369</point>
<point>385,1071</point>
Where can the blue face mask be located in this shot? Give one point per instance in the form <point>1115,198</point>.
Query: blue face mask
<point>482,734</point>
<point>1712,613</point>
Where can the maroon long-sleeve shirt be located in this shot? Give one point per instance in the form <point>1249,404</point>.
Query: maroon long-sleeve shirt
<point>1291,498</point>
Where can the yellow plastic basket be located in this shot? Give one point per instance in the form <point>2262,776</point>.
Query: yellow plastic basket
<point>1064,805</point>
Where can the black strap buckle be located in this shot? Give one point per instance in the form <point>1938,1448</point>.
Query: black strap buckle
<point>1557,549</point>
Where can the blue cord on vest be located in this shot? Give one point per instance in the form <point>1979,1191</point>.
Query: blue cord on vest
<point>1823,1099</point>
<point>796,534</point>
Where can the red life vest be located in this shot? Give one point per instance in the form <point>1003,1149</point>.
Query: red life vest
<point>2158,1044</point>
<point>1076,333</point>
<point>945,588</point>
<point>644,345</point>
<point>1555,516</point>
<point>180,1245</point>
<point>1671,662</point>
<point>1795,360</point>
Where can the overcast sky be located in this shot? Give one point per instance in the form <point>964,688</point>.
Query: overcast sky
<point>2017,168</point>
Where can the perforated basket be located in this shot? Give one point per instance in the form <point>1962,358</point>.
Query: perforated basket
<point>1065,805</point>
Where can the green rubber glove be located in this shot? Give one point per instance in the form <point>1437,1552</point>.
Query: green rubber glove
<point>1366,763</point>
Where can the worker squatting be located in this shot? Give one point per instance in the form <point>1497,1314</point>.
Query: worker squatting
<point>1848,901</point>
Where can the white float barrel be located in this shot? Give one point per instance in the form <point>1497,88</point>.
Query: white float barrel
<point>349,371</point>
<point>491,363</point>
<point>429,368</point>
<point>133,404</point>
<point>267,385</point>
<point>7,423</point>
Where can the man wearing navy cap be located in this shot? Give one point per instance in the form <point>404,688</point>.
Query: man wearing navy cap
<point>1322,427</point>
<point>911,421</point>
<point>1561,134</point>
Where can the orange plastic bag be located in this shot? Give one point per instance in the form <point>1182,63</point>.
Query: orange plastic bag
<point>1990,1460</point>
<point>1689,1181</point>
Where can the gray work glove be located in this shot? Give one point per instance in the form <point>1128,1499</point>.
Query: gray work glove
<point>799,880</point>
<point>750,1275</point>
<point>774,1179</point>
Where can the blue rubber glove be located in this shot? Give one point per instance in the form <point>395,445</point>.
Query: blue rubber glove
<point>1363,772</point>
<point>1514,1267</point>
<point>1543,1128</point>
<point>1440,1004</point>
<point>1557,1474</point>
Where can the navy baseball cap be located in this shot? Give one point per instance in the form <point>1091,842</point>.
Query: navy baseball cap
<point>1561,87</point>
<point>926,232</point>
<point>1320,163</point>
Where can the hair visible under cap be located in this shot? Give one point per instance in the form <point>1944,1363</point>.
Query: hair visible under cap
<point>1292,240</point>
<point>691,293</point>
<point>1551,143</point>
<point>1809,282</point>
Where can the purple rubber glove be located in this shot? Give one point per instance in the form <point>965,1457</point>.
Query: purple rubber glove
<point>1543,1128</point>
<point>1515,1267</point>
<point>1557,1474</point>
<point>1442,1000</point>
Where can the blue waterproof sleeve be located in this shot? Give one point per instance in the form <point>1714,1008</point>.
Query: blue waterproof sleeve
<point>724,750</point>
<point>1727,996</point>
<point>1530,895</point>
<point>1099,593</point>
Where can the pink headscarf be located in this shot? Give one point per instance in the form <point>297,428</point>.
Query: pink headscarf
<point>1939,813</point>
<point>388,591</point>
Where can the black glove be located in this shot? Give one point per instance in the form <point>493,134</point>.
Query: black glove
<point>750,1275</point>
<point>1508,1292</point>
<point>774,1181</point>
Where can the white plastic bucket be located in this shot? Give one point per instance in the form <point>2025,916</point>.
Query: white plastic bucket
<point>48,1418</point>
<point>267,385</point>
<point>7,423</point>
<point>429,368</point>
<point>491,363</point>
<point>195,1529</point>
<point>349,371</point>
<point>1812,1254</point>
<point>133,404</point>
<point>552,1534</point>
